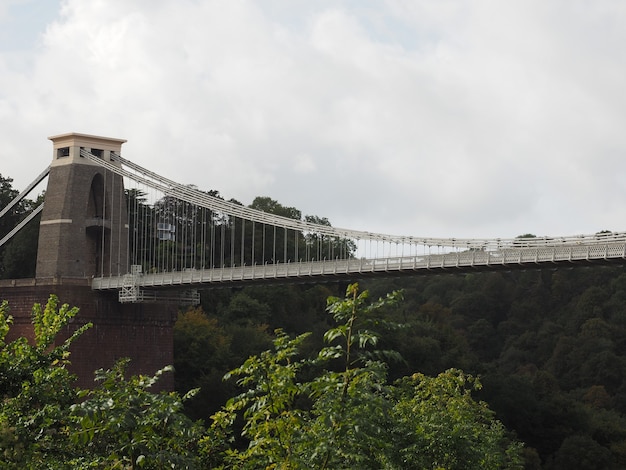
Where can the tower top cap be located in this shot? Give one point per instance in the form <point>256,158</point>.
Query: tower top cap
<point>74,139</point>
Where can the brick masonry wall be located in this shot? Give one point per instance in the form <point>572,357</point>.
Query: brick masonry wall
<point>142,332</point>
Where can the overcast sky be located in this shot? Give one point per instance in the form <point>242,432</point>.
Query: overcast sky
<point>428,118</point>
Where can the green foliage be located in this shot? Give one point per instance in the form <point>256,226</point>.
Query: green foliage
<point>581,452</point>
<point>121,424</point>
<point>555,379</point>
<point>19,259</point>
<point>18,256</point>
<point>206,347</point>
<point>549,346</point>
<point>45,422</point>
<point>203,349</point>
<point>454,431</point>
<point>240,307</point>
<point>267,204</point>
<point>271,424</point>
<point>36,390</point>
<point>297,412</point>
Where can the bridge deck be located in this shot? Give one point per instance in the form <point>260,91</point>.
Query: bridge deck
<point>463,261</point>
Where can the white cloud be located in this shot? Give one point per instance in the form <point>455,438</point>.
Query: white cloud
<point>450,118</point>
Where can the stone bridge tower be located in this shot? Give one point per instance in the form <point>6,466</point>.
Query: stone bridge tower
<point>84,230</point>
<point>84,233</point>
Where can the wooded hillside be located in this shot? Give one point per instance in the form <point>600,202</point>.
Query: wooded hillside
<point>549,346</point>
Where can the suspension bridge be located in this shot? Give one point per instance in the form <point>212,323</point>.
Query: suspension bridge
<point>149,237</point>
<point>128,246</point>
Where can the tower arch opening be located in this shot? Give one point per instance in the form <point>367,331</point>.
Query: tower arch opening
<point>97,227</point>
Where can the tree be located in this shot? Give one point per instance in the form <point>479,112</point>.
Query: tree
<point>7,194</point>
<point>203,353</point>
<point>581,452</point>
<point>19,259</point>
<point>36,390</point>
<point>269,205</point>
<point>320,247</point>
<point>45,422</point>
<point>121,424</point>
<point>272,244</point>
<point>18,256</point>
<point>455,431</point>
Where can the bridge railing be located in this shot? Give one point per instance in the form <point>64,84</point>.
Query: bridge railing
<point>456,260</point>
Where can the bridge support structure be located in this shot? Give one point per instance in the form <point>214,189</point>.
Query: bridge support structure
<point>141,332</point>
<point>84,233</point>
<point>84,223</point>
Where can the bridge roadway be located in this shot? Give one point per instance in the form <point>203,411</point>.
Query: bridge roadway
<point>460,261</point>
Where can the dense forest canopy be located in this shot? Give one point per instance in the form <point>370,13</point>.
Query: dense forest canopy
<point>548,345</point>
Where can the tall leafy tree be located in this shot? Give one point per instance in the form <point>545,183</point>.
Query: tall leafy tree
<point>36,390</point>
